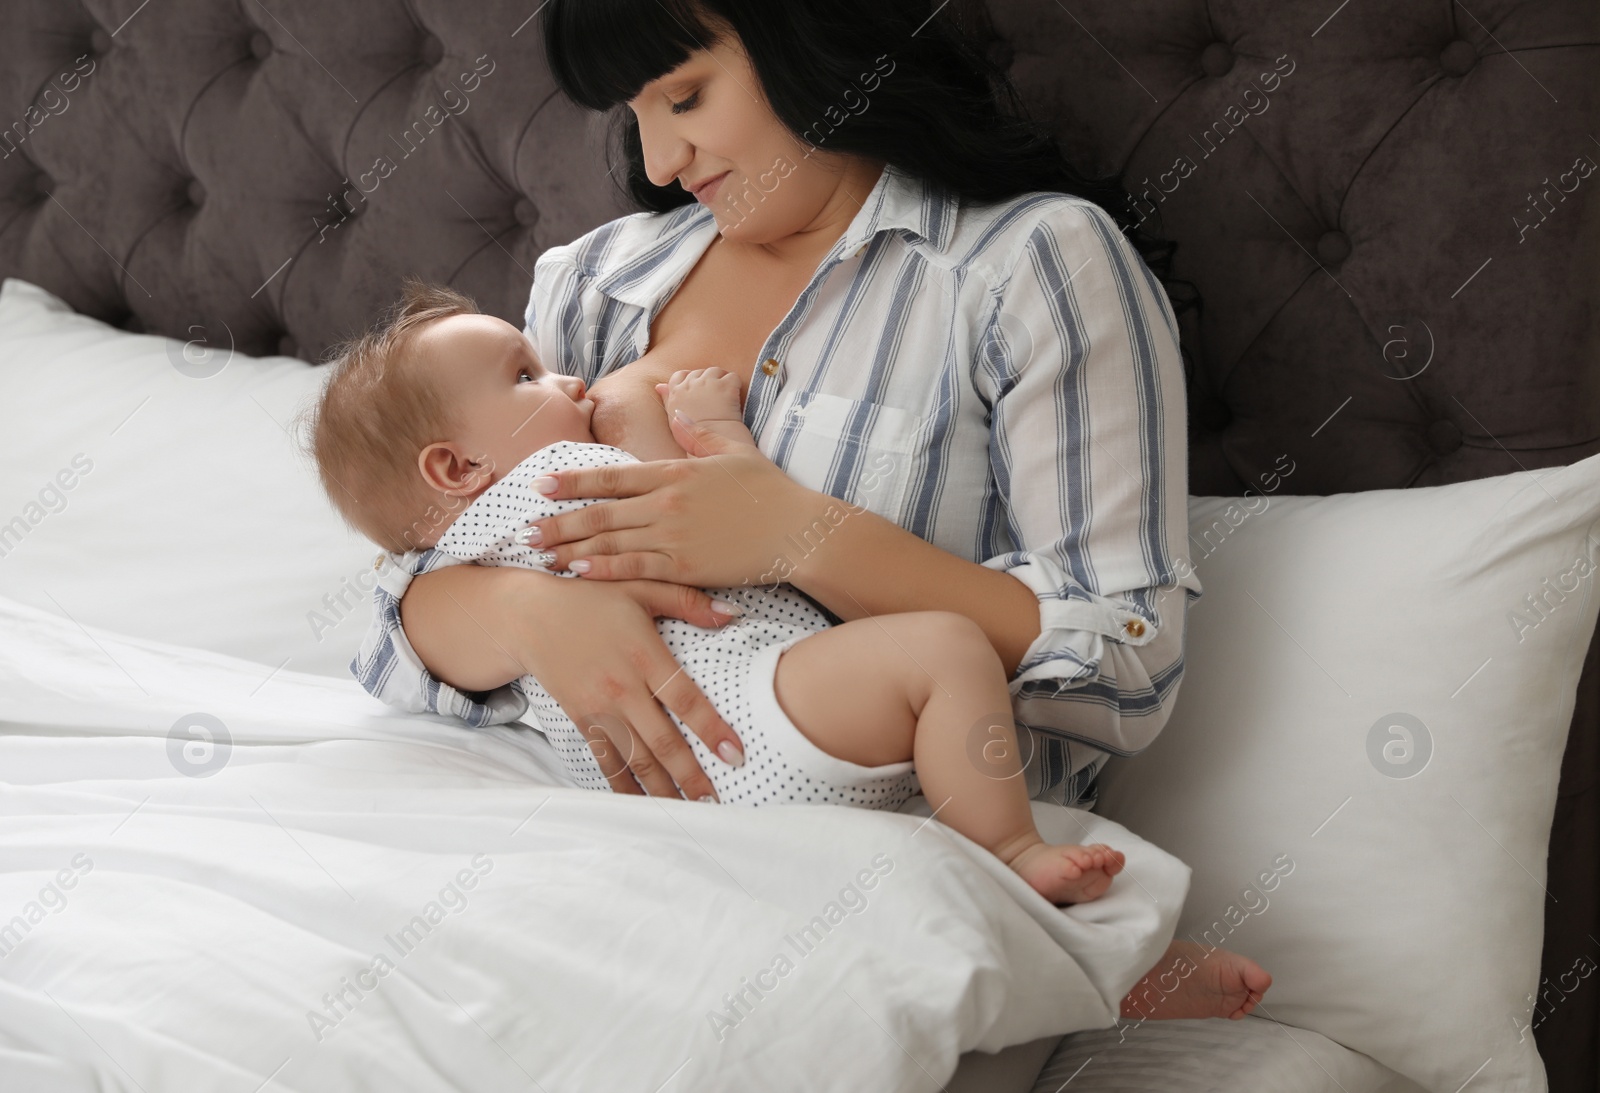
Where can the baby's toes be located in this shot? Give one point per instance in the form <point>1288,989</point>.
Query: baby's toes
<point>1083,857</point>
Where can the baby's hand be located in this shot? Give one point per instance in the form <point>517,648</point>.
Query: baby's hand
<point>708,396</point>
<point>705,394</point>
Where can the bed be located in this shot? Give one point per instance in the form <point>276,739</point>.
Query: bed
<point>211,835</point>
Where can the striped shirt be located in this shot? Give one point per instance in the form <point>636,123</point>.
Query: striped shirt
<point>1002,380</point>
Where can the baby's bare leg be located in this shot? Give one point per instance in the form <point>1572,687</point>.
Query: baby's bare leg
<point>709,396</point>
<point>857,693</point>
<point>928,686</point>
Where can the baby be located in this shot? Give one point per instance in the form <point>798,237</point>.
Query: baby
<point>441,410</point>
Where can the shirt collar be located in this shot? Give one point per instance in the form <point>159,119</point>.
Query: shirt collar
<point>898,201</point>
<point>907,202</point>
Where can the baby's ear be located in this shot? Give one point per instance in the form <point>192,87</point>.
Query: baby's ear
<point>447,467</point>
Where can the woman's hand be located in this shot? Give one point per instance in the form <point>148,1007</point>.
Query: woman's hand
<point>596,649</point>
<point>603,659</point>
<point>728,517</point>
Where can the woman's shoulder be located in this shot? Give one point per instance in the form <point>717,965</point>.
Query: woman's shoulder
<point>996,234</point>
<point>616,243</point>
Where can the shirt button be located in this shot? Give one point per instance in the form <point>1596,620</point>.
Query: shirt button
<point>1134,627</point>
<point>377,563</point>
<point>770,366</point>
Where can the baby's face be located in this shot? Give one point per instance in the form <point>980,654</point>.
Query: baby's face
<point>503,402</point>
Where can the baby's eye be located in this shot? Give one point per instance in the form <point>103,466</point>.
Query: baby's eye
<point>685,105</point>
<point>524,374</point>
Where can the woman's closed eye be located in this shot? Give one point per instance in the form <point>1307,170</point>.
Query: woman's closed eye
<point>683,106</point>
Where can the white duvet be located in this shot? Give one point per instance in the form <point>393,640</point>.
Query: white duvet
<point>356,899</point>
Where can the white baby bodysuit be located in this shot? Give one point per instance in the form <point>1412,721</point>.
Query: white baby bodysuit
<point>733,665</point>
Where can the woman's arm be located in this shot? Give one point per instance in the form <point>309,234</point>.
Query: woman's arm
<point>1089,452</point>
<point>868,565</point>
<point>595,648</point>
<point>456,642</point>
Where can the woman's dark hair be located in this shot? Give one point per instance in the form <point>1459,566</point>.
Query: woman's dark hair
<point>946,112</point>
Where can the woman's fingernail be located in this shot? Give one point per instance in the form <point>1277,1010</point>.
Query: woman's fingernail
<point>710,799</point>
<point>529,536</point>
<point>730,753</point>
<point>683,419</point>
<point>723,607</point>
<point>580,565</point>
<point>546,558</point>
<point>545,485</point>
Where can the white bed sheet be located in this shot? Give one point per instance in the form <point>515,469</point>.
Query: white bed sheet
<point>211,920</point>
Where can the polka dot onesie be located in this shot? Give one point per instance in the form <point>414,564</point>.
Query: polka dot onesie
<point>734,665</point>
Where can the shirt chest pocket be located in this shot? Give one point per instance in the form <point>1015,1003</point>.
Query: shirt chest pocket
<point>858,451</point>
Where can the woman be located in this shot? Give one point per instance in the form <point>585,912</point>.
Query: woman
<point>926,325</point>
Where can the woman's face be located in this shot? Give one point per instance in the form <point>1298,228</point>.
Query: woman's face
<point>707,123</point>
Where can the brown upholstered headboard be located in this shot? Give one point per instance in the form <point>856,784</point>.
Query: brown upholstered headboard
<point>1387,208</point>
<point>270,171</point>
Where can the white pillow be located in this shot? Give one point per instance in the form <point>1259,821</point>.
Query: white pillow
<point>1361,767</point>
<point>149,487</point>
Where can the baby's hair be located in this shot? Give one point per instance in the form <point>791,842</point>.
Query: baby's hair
<point>376,412</point>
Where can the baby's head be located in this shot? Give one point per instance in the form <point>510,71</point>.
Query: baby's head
<point>430,408</point>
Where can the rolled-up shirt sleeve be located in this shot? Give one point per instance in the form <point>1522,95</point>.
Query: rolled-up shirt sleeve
<point>1088,448</point>
<point>560,311</point>
<point>388,668</point>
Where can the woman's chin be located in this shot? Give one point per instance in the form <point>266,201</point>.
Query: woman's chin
<point>737,228</point>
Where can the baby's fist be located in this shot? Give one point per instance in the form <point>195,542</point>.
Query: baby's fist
<point>704,394</point>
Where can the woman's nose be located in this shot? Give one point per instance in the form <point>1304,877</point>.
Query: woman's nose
<point>665,154</point>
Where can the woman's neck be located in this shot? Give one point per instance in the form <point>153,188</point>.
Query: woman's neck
<point>807,246</point>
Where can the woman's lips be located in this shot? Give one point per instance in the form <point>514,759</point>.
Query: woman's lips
<point>708,189</point>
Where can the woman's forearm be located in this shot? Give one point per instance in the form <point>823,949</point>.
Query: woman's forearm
<point>862,564</point>
<point>460,620</point>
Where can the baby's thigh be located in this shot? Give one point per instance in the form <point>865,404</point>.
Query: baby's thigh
<point>850,688</point>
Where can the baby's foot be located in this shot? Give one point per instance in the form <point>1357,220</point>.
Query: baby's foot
<point>1069,874</point>
<point>1195,981</point>
<point>711,397</point>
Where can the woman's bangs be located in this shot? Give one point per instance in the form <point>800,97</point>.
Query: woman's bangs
<point>602,52</point>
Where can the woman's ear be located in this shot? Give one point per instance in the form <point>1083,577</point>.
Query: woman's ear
<point>447,467</point>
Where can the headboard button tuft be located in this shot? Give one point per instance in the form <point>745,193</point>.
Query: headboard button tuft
<point>1333,247</point>
<point>526,212</point>
<point>260,45</point>
<point>100,42</point>
<point>1458,57</point>
<point>1444,436</point>
<point>1217,60</point>
<point>196,192</point>
<point>432,51</point>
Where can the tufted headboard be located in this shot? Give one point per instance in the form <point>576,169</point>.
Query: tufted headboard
<point>266,173</point>
<point>1386,208</point>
